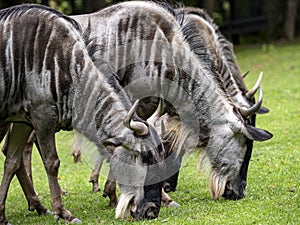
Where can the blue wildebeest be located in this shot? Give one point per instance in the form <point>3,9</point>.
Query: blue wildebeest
<point>150,56</point>
<point>212,48</point>
<point>216,53</point>
<point>207,43</point>
<point>147,51</point>
<point>48,82</point>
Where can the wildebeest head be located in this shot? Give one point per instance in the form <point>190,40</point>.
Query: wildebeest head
<point>236,188</point>
<point>226,152</point>
<point>138,167</point>
<point>211,47</point>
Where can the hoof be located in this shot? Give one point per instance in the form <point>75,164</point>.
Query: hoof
<point>63,192</point>
<point>48,212</point>
<point>95,190</point>
<point>174,204</point>
<point>56,217</point>
<point>113,204</point>
<point>77,158</point>
<point>76,221</point>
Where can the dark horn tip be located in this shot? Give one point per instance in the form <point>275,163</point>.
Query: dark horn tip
<point>263,110</point>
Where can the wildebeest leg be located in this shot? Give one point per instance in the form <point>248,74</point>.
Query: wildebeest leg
<point>44,120</point>
<point>24,177</point>
<point>76,153</point>
<point>51,163</point>
<point>76,147</point>
<point>62,192</point>
<point>165,198</point>
<point>27,154</point>
<point>94,177</point>
<point>13,162</point>
<point>30,194</point>
<point>110,190</point>
<point>3,132</point>
<point>170,183</point>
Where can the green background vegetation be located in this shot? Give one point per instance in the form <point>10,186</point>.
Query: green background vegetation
<point>273,179</point>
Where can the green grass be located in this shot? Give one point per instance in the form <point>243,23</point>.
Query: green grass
<point>273,179</point>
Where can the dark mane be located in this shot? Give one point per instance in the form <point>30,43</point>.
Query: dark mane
<point>31,9</point>
<point>91,42</point>
<point>165,5</point>
<point>226,46</point>
<point>202,13</point>
<point>198,46</point>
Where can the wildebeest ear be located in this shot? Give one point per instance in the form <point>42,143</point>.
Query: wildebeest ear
<point>116,141</point>
<point>257,134</point>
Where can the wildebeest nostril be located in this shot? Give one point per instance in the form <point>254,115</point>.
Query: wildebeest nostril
<point>235,191</point>
<point>152,212</point>
<point>133,214</point>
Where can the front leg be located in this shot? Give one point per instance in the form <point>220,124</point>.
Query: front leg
<point>94,177</point>
<point>27,154</point>
<point>76,152</point>
<point>110,190</point>
<point>44,121</point>
<point>51,163</point>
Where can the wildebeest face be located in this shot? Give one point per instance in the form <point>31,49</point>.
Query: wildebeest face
<point>226,152</point>
<point>149,206</point>
<point>137,165</point>
<point>236,189</point>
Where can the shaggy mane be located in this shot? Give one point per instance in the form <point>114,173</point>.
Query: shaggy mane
<point>216,182</point>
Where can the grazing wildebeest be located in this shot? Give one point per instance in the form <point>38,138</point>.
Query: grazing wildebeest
<point>147,48</point>
<point>49,83</point>
<point>216,53</point>
<point>207,43</point>
<point>212,48</point>
<point>148,53</point>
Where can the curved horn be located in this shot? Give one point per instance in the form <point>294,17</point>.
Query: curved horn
<point>252,92</point>
<point>129,115</point>
<point>154,117</point>
<point>248,112</point>
<point>245,74</point>
<point>139,127</point>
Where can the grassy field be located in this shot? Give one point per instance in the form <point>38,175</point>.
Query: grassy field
<point>273,190</point>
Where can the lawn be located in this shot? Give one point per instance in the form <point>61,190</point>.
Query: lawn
<point>273,189</point>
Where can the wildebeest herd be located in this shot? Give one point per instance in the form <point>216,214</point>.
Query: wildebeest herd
<point>143,81</point>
